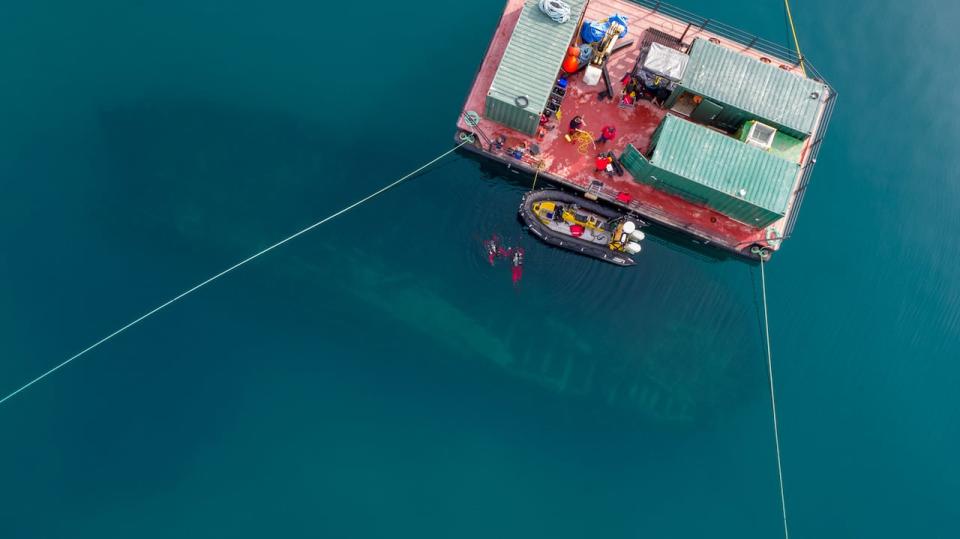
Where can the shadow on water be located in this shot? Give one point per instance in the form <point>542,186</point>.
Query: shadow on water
<point>677,352</point>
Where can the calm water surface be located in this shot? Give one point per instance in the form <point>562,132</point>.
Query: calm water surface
<point>377,378</point>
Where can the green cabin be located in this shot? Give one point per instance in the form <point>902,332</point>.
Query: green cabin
<point>706,167</point>
<point>736,88</point>
<point>528,70</point>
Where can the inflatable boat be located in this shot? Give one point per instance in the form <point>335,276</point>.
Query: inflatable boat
<point>582,226</point>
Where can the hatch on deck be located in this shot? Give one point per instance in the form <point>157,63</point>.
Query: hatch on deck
<point>761,135</point>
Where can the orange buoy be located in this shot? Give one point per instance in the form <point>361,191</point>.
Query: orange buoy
<point>570,64</point>
<point>573,51</point>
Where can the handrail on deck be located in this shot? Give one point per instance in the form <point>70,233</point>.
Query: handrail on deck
<point>749,41</point>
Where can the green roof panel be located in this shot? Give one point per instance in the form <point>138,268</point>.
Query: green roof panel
<point>733,172</point>
<point>530,64</point>
<point>773,95</point>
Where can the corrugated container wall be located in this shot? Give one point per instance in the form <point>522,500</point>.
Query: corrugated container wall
<point>748,89</point>
<point>529,67</point>
<point>720,172</point>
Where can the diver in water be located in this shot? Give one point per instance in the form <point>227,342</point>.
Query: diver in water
<point>515,254</point>
<point>517,265</point>
<point>492,248</point>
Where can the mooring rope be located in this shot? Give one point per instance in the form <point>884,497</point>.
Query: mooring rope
<point>228,270</point>
<point>796,42</point>
<point>773,399</point>
<point>536,174</point>
<point>556,9</point>
<point>584,141</point>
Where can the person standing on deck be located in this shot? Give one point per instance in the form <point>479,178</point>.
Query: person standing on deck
<point>603,161</point>
<point>607,133</point>
<point>575,124</point>
<point>631,89</point>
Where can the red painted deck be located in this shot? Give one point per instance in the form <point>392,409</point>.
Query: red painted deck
<point>564,162</point>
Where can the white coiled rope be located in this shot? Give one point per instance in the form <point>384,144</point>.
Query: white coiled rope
<point>556,9</point>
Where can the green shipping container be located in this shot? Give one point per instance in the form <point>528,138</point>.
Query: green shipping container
<point>706,167</point>
<point>529,67</point>
<point>746,89</point>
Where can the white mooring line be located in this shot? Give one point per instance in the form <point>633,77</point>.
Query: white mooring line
<point>773,399</point>
<point>189,291</point>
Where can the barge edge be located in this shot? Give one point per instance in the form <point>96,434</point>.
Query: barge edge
<point>697,237</point>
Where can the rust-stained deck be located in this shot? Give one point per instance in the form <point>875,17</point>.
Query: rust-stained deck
<point>565,163</point>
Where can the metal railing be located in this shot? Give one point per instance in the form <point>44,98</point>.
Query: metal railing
<point>801,191</point>
<point>749,41</point>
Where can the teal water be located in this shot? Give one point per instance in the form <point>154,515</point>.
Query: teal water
<point>377,378</point>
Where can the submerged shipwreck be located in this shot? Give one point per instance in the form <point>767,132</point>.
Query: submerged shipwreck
<point>708,130</point>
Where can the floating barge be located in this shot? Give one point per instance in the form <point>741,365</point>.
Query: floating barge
<point>719,143</point>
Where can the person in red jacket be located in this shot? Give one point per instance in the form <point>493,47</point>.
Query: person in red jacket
<point>602,161</point>
<point>607,133</point>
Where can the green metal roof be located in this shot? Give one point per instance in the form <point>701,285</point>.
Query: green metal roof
<point>724,164</point>
<point>533,56</point>
<point>763,90</point>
